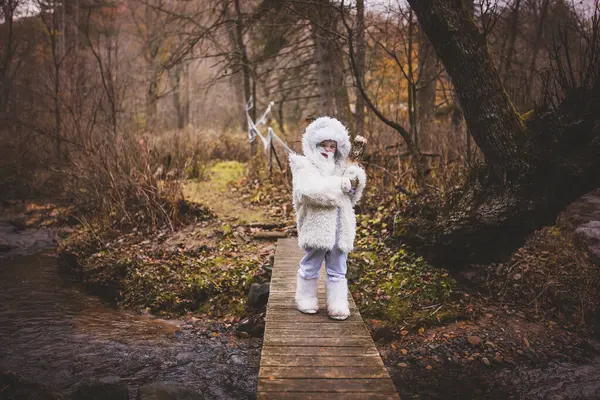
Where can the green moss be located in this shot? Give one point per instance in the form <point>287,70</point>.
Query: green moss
<point>527,115</point>
<point>394,284</point>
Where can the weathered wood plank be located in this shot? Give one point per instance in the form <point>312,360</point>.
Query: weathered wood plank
<point>329,324</point>
<point>326,396</point>
<point>326,385</point>
<point>291,307</point>
<point>269,350</point>
<point>346,372</point>
<point>297,316</point>
<point>318,341</point>
<point>321,361</point>
<point>342,331</point>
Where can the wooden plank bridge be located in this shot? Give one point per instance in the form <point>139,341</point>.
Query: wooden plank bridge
<point>312,356</point>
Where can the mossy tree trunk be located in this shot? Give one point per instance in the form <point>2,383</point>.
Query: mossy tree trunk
<point>531,171</point>
<point>492,119</point>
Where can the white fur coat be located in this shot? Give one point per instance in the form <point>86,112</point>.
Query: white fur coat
<point>323,203</point>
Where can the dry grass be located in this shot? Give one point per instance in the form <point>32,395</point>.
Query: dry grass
<point>189,152</point>
<point>549,277</point>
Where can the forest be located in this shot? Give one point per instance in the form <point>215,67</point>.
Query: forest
<point>145,183</point>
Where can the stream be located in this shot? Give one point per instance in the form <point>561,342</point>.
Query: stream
<point>53,333</point>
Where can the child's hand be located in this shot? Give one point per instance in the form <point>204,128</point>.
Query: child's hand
<point>352,174</point>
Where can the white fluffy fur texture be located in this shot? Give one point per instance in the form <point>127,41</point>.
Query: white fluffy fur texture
<point>337,299</point>
<point>306,295</point>
<point>326,128</point>
<point>354,171</point>
<point>318,196</point>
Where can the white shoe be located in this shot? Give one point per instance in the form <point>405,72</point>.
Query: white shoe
<point>337,299</point>
<point>306,295</point>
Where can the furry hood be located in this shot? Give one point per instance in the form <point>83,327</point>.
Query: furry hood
<point>325,128</point>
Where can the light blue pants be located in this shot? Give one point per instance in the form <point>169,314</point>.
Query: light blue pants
<point>335,263</point>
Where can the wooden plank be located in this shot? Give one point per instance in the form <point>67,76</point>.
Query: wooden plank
<point>319,341</point>
<point>268,351</point>
<point>290,306</point>
<point>300,326</point>
<point>326,385</point>
<point>326,396</point>
<point>321,361</point>
<point>297,316</point>
<point>341,331</point>
<point>346,372</point>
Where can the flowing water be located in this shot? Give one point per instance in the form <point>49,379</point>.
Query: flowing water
<point>53,333</point>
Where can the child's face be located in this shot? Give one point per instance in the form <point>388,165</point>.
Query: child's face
<point>330,147</point>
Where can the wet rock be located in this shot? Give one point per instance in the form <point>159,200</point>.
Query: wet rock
<point>237,360</point>
<point>259,294</point>
<point>5,248</point>
<point>109,389</point>
<point>584,216</point>
<point>498,358</point>
<point>168,391</point>
<point>15,387</point>
<point>383,334</point>
<point>490,344</point>
<point>110,379</point>
<point>242,334</point>
<point>474,340</point>
<point>254,326</point>
<point>184,358</point>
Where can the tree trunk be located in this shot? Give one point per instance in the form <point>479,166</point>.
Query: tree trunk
<point>536,46</point>
<point>359,113</point>
<point>186,94</point>
<point>179,111</point>
<point>7,55</point>
<point>151,97</point>
<point>514,30</point>
<point>488,219</point>
<point>241,47</point>
<point>333,95</point>
<point>493,121</point>
<point>426,92</point>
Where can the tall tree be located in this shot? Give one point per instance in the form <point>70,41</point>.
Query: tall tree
<point>512,35</point>
<point>333,94</point>
<point>359,113</point>
<point>494,122</point>
<point>426,93</point>
<point>528,168</point>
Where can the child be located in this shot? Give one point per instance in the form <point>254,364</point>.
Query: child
<point>324,200</point>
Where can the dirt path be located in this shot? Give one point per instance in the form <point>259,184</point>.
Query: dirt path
<point>217,194</point>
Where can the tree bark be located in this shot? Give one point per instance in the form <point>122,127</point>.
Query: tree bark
<point>555,163</point>
<point>492,120</point>
<point>179,110</point>
<point>359,113</point>
<point>333,94</point>
<point>241,47</point>
<point>514,30</point>
<point>426,92</point>
<point>536,46</point>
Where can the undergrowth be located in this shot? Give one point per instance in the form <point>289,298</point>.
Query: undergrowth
<point>391,283</point>
<point>207,269</point>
